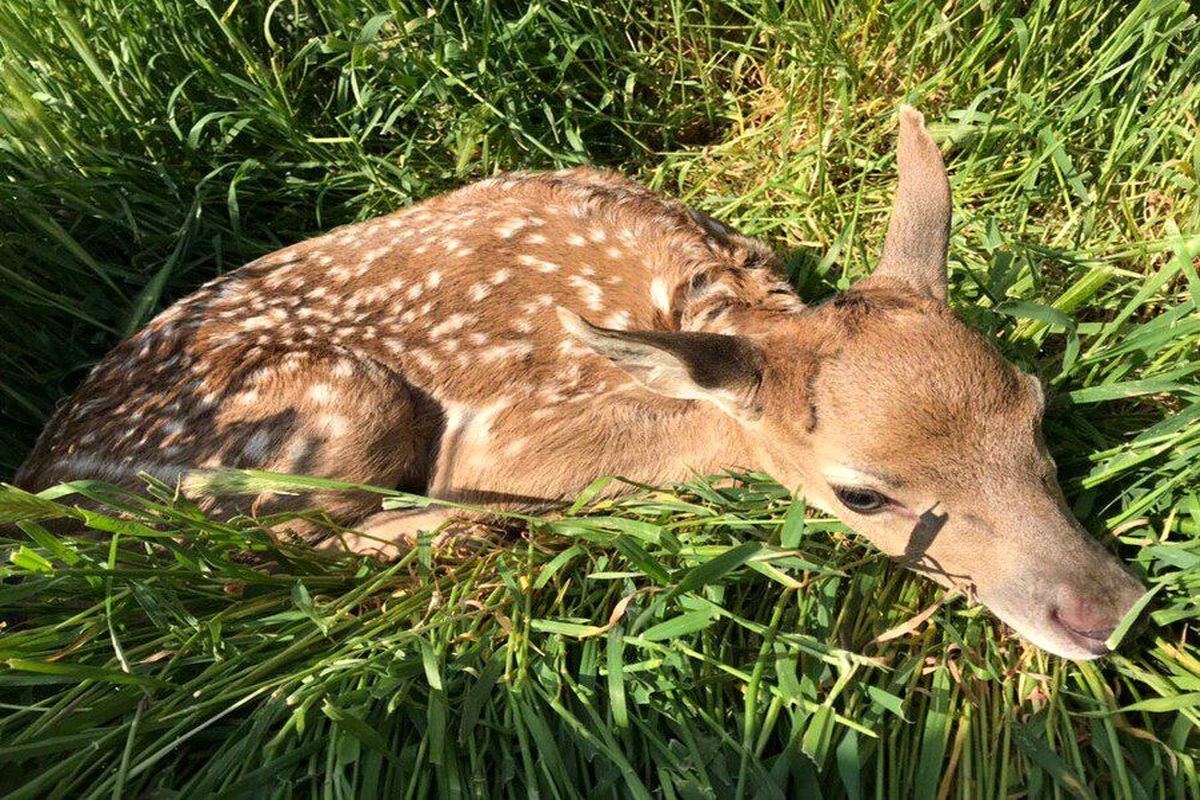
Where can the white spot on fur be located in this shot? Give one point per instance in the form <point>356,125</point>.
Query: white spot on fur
<point>619,321</point>
<point>434,279</point>
<point>502,352</point>
<point>450,324</point>
<point>541,264</point>
<point>660,295</point>
<point>424,358</point>
<point>509,228</point>
<point>570,347</point>
<point>500,276</point>
<point>479,291</point>
<point>467,435</point>
<point>591,294</point>
<point>257,445</point>
<point>336,424</point>
<point>321,392</point>
<point>535,238</point>
<point>575,240</point>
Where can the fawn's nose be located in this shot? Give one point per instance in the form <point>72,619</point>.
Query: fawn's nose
<point>1091,619</point>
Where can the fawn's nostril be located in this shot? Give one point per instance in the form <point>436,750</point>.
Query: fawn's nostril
<point>1084,617</point>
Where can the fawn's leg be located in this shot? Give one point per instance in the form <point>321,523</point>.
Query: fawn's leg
<point>389,534</point>
<point>332,415</point>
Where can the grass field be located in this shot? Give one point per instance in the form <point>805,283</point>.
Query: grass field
<point>704,641</point>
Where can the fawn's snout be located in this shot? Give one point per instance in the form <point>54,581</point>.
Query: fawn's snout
<point>1064,592</point>
<point>1088,620</point>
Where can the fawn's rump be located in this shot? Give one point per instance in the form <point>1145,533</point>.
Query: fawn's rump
<point>327,413</point>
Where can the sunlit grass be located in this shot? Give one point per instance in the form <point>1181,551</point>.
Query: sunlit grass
<point>706,641</point>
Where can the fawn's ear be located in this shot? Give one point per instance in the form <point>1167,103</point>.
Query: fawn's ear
<point>914,252</point>
<point>725,370</point>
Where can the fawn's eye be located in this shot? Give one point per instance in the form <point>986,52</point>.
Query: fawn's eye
<point>860,499</point>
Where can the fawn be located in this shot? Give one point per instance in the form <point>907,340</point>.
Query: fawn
<point>504,344</point>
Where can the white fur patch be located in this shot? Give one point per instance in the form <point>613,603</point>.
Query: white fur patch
<point>503,352</point>
<point>619,321</point>
<point>660,295</point>
<point>256,446</point>
<point>449,325</point>
<point>424,358</point>
<point>541,264</point>
<point>509,228</point>
<point>591,294</point>
<point>336,424</point>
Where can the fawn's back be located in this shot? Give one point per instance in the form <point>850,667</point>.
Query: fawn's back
<point>391,351</point>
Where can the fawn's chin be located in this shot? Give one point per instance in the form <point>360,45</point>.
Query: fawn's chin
<point>1067,644</point>
<point>1043,629</point>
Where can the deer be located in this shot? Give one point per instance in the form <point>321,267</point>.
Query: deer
<point>502,345</point>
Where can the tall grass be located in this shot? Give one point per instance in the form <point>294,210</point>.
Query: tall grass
<point>709,640</point>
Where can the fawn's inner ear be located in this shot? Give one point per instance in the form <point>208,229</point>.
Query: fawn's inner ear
<point>686,365</point>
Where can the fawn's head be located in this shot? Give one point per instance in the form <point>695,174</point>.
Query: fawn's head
<point>884,409</point>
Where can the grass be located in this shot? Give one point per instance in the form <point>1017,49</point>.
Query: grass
<point>709,640</point>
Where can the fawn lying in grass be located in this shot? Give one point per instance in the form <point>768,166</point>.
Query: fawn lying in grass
<point>444,349</point>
